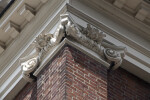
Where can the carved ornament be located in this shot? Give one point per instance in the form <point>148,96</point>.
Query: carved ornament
<point>90,37</point>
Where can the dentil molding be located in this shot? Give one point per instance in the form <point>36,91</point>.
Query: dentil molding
<point>90,37</point>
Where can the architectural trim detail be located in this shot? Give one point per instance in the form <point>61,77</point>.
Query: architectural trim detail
<point>12,28</point>
<point>143,12</point>
<point>41,44</point>
<point>119,3</point>
<point>115,55</point>
<point>92,38</point>
<point>89,37</point>
<point>11,73</point>
<point>29,64</point>
<point>27,12</point>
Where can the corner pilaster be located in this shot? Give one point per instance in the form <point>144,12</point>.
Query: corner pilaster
<point>90,37</point>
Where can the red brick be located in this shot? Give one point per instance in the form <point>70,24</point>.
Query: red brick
<point>72,75</point>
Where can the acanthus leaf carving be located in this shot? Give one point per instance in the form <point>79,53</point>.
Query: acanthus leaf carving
<point>41,45</point>
<point>90,37</point>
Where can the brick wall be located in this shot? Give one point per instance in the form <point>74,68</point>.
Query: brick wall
<point>86,78</point>
<point>71,74</point>
<point>123,85</point>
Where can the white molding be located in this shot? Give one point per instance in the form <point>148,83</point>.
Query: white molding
<point>27,12</point>
<point>12,29</point>
<point>92,38</point>
<point>28,33</point>
<point>141,62</point>
<point>10,83</point>
<point>120,16</point>
<point>45,17</point>
<point>74,44</point>
<point>14,89</point>
<point>6,17</point>
<point>126,40</point>
<point>89,37</point>
<point>142,48</point>
<point>44,20</point>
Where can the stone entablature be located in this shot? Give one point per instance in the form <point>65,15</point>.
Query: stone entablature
<point>90,37</point>
<point>136,60</point>
<point>15,20</point>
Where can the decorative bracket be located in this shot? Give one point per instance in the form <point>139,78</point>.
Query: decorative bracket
<point>93,38</point>
<point>90,37</point>
<point>42,44</point>
<point>114,54</point>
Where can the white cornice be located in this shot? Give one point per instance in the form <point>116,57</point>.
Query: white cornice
<point>26,35</point>
<point>19,14</point>
<point>10,12</point>
<point>74,44</point>
<point>137,56</point>
<point>47,16</point>
<point>117,14</point>
<point>90,37</point>
<point>140,58</point>
<point>114,33</point>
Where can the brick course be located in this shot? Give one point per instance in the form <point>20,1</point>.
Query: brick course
<point>86,79</point>
<point>123,85</point>
<point>72,75</point>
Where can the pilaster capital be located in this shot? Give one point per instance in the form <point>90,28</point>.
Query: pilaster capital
<point>90,37</point>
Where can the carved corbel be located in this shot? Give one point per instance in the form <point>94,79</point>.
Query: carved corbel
<point>92,38</point>
<point>41,45</point>
<point>28,65</point>
<point>114,54</point>
<point>89,36</point>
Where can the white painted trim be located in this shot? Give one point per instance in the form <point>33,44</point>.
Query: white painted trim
<point>9,13</point>
<point>46,17</point>
<point>114,33</point>
<point>88,52</point>
<point>111,10</point>
<point>141,62</point>
<point>118,37</point>
<point>74,44</point>
<point>10,84</point>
